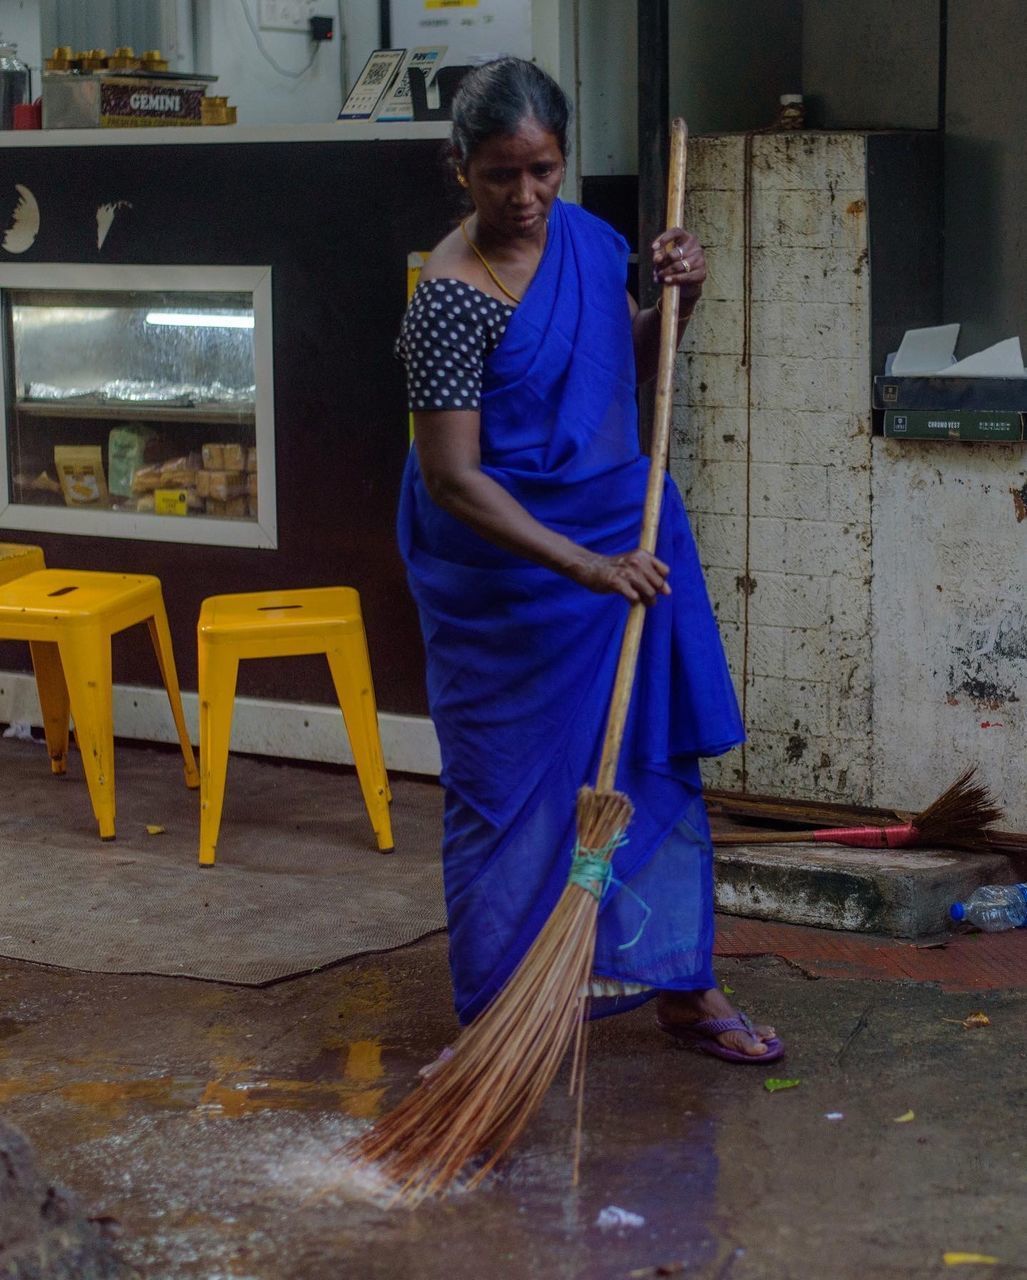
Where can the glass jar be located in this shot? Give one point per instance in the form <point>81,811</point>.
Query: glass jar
<point>14,84</point>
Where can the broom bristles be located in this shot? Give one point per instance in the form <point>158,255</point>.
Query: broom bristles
<point>960,816</point>
<point>477,1103</point>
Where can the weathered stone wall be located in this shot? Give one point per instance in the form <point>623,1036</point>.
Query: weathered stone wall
<point>772,450</point>
<point>872,593</point>
<point>950,523</point>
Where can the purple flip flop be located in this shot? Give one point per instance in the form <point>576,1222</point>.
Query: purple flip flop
<point>703,1036</point>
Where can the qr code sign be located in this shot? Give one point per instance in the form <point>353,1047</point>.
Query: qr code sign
<point>376,73</point>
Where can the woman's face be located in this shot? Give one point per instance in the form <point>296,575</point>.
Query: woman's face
<point>513,180</point>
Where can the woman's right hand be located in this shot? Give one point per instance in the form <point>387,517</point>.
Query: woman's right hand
<point>636,575</point>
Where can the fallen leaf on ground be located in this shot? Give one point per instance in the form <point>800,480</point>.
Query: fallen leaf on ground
<point>728,991</point>
<point>967,1259</point>
<point>977,1019</point>
<point>152,829</point>
<point>905,1117</point>
<point>773,1085</point>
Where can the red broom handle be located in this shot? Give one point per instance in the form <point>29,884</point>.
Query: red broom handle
<point>897,837</point>
<point>625,677</point>
<point>871,837</point>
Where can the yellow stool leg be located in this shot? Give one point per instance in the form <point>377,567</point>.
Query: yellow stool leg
<point>351,675</point>
<point>53,700</point>
<point>219,667</point>
<point>160,635</point>
<point>86,659</point>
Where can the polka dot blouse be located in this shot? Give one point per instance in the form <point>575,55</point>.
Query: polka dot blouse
<point>448,330</point>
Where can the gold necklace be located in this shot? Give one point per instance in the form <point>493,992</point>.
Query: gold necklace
<point>484,262</point>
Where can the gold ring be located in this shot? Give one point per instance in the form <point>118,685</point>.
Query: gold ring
<point>686,265</point>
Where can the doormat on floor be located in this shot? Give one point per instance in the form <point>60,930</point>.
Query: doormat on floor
<point>298,884</point>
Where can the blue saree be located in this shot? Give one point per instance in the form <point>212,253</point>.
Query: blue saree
<point>520,660</point>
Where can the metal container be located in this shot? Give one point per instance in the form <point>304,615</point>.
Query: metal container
<point>115,99</point>
<point>14,84</point>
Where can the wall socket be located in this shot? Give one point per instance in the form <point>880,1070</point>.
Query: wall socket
<point>285,15</point>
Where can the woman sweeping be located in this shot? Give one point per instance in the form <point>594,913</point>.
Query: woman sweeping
<point>518,523</point>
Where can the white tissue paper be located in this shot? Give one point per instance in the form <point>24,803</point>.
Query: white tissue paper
<point>931,352</point>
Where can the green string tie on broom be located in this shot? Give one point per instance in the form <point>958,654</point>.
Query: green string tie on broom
<point>592,870</point>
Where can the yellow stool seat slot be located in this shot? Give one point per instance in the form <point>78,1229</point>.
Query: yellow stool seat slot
<point>68,617</point>
<point>283,624</point>
<point>17,558</point>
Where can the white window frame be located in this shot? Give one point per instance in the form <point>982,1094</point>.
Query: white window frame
<point>205,530</point>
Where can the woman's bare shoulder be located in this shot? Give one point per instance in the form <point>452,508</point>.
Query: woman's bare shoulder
<point>450,260</point>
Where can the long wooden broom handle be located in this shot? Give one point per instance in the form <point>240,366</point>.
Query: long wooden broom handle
<point>625,677</point>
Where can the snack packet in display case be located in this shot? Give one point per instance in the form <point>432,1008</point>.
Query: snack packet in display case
<point>80,472</point>
<point>126,450</point>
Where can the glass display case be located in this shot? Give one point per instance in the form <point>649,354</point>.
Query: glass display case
<point>138,402</point>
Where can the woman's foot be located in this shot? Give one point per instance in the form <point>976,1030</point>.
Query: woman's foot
<point>679,1011</point>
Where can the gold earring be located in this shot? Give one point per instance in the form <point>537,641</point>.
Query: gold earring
<point>461,179</point>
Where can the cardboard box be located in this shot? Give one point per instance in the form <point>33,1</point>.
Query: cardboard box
<point>951,394</point>
<point>940,424</point>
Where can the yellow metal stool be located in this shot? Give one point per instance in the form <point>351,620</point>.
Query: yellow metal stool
<point>17,558</point>
<point>68,617</point>
<point>280,624</point>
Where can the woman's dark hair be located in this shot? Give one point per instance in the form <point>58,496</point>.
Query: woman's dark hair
<point>496,97</point>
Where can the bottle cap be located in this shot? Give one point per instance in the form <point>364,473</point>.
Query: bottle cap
<point>957,911</point>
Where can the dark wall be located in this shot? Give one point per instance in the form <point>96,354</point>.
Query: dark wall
<point>905,195</point>
<point>335,221</point>
<point>986,172</point>
<point>871,64</point>
<point>876,64</point>
<point>730,62</point>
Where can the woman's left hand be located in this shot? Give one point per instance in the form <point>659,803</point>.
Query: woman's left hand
<point>678,260</point>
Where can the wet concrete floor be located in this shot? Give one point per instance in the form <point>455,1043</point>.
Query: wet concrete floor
<point>207,1118</point>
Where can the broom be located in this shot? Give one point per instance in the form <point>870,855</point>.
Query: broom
<point>960,818</point>
<point>477,1102</point>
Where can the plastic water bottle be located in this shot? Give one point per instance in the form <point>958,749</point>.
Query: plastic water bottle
<point>993,907</point>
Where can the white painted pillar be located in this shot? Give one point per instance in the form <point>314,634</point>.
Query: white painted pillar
<point>554,42</point>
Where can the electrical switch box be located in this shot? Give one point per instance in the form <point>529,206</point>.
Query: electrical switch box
<point>286,15</point>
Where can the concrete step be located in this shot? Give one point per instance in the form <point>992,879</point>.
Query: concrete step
<point>904,893</point>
